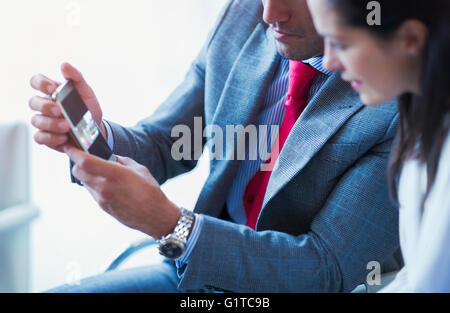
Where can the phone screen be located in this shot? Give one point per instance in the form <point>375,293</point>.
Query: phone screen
<point>84,128</point>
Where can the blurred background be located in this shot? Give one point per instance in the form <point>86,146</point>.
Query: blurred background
<point>133,54</point>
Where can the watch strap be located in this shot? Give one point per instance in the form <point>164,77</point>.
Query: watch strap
<point>184,225</point>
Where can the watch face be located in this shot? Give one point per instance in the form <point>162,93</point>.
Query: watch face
<point>172,249</point>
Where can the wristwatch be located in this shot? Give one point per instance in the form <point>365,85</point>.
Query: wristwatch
<point>173,246</point>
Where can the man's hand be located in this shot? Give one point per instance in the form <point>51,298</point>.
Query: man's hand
<point>53,129</point>
<point>127,191</point>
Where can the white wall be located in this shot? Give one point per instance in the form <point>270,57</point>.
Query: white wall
<point>133,53</point>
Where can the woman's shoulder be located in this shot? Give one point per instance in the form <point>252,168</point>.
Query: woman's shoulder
<point>442,182</point>
<point>444,163</point>
<point>413,179</point>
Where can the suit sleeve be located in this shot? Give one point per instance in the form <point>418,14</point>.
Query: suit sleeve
<point>358,224</point>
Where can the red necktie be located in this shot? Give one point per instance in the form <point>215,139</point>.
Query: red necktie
<point>301,77</point>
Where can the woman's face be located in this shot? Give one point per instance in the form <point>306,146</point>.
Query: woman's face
<point>378,69</point>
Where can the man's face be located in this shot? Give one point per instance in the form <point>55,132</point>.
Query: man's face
<point>293,28</point>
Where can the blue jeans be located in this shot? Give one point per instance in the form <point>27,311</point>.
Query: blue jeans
<point>161,277</point>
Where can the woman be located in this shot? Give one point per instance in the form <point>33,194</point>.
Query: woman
<point>401,48</point>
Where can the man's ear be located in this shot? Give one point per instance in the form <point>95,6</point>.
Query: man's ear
<point>413,36</point>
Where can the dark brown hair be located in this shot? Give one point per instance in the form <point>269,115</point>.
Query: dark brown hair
<point>424,118</point>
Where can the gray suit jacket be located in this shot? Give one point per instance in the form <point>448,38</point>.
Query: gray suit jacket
<point>326,213</point>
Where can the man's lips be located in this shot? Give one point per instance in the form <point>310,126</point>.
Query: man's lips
<point>280,35</point>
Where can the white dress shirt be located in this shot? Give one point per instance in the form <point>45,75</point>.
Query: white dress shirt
<point>424,236</point>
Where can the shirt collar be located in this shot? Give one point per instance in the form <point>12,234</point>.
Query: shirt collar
<point>316,62</point>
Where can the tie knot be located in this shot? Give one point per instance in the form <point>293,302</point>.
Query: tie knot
<point>301,76</point>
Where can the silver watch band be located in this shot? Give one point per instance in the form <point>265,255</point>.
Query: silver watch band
<point>184,225</point>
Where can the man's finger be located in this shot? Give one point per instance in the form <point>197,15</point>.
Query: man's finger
<point>83,176</point>
<point>93,181</point>
<point>44,84</point>
<point>71,73</point>
<point>49,139</point>
<point>89,163</point>
<point>45,106</point>
<point>131,164</point>
<point>50,124</point>
<point>100,200</point>
<point>125,161</point>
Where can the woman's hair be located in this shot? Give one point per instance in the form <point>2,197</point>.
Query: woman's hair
<point>424,118</point>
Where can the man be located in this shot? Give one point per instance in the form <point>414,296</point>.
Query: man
<point>324,214</point>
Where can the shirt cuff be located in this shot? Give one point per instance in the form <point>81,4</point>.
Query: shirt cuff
<point>193,238</point>
<point>110,139</point>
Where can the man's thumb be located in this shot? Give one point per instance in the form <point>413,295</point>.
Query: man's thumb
<point>124,160</point>
<point>71,73</point>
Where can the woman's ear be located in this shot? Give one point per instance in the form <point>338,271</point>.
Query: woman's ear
<point>413,35</point>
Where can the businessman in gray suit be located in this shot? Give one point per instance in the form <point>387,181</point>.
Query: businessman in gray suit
<point>326,213</point>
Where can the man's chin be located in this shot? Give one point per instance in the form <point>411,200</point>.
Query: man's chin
<point>285,52</point>
<point>296,52</point>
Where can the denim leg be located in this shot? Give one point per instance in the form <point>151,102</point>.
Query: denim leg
<point>161,277</point>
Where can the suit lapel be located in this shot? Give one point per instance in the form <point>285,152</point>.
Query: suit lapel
<point>239,104</point>
<point>330,108</point>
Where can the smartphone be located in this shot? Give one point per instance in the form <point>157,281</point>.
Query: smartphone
<point>84,132</point>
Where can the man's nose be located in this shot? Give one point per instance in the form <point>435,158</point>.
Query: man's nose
<point>275,11</point>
